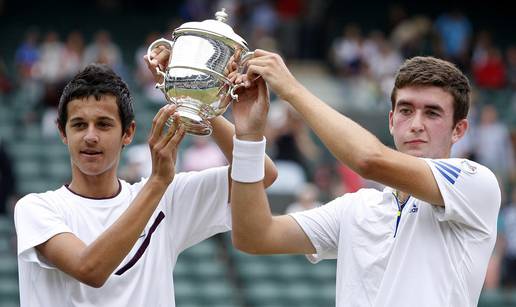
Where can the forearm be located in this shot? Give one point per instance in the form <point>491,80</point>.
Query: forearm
<point>348,141</point>
<point>251,215</point>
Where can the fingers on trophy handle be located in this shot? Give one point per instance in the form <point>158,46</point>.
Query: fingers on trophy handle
<point>157,43</point>
<point>242,68</point>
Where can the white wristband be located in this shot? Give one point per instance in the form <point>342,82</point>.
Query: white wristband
<point>248,161</point>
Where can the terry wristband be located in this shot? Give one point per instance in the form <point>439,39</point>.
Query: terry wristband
<point>248,161</point>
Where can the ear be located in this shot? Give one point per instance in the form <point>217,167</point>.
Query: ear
<point>459,130</point>
<point>128,136</point>
<point>62,135</point>
<point>391,114</point>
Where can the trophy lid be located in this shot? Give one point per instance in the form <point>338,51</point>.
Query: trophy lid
<point>213,27</point>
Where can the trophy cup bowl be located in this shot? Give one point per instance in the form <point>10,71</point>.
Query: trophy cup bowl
<point>196,77</point>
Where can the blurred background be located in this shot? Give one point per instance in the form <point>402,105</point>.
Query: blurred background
<point>346,53</point>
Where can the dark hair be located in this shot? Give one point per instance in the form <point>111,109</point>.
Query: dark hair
<point>430,71</point>
<point>97,80</point>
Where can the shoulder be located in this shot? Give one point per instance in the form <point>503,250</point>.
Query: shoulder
<point>462,170</point>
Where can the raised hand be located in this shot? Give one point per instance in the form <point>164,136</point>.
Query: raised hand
<point>250,111</point>
<point>158,58</point>
<point>164,143</point>
<point>271,67</point>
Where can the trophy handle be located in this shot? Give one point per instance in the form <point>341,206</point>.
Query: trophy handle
<point>242,69</point>
<point>156,43</point>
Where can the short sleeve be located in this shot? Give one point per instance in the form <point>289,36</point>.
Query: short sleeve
<point>36,221</point>
<point>198,204</point>
<point>470,192</point>
<point>322,226</point>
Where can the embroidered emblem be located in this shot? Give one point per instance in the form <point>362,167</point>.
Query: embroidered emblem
<point>468,167</point>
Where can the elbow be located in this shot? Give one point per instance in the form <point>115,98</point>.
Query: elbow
<point>244,245</point>
<point>91,277</point>
<point>370,163</point>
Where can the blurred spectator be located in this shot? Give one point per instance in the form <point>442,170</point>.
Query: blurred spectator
<point>291,148</point>
<point>104,50</point>
<point>351,181</point>
<point>202,154</point>
<point>289,137</point>
<point>7,179</point>
<point>493,144</point>
<point>412,36</point>
<point>511,66</point>
<point>454,32</point>
<point>143,76</point>
<point>73,54</point>
<point>489,69</point>
<point>6,84</point>
<point>263,24</point>
<point>347,52</point>
<point>508,231</point>
<point>289,12</point>
<point>383,62</point>
<point>196,10</point>
<point>138,163</point>
<point>27,55</point>
<point>49,66</point>
<point>306,199</point>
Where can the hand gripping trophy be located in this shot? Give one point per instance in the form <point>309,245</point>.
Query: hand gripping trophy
<point>196,77</point>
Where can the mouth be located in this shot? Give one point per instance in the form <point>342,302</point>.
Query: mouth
<point>415,142</point>
<point>90,152</point>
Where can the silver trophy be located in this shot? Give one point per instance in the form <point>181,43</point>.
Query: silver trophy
<point>196,77</point>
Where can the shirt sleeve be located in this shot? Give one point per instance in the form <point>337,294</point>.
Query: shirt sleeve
<point>198,204</point>
<point>36,221</point>
<point>322,226</point>
<point>470,192</point>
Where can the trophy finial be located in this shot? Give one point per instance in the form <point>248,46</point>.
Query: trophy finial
<point>221,15</point>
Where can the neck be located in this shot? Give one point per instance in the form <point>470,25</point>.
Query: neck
<point>99,186</point>
<point>402,197</point>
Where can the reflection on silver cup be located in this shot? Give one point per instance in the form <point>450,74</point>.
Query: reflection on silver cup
<point>196,77</point>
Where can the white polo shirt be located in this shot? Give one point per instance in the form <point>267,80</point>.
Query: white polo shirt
<point>427,256</point>
<point>194,207</point>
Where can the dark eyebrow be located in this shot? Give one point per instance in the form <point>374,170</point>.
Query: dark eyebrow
<point>435,108</point>
<point>402,103</point>
<point>102,118</point>
<point>407,103</point>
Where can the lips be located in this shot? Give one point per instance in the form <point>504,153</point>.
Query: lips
<point>90,152</point>
<point>415,142</point>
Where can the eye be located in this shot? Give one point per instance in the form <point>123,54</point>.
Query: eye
<point>78,125</point>
<point>433,114</point>
<point>105,125</point>
<point>405,111</point>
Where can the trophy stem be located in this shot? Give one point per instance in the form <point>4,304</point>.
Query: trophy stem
<point>194,123</point>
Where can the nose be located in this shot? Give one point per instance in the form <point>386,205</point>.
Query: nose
<point>416,125</point>
<point>91,136</point>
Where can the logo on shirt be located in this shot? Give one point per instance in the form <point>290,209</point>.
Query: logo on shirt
<point>448,171</point>
<point>468,167</point>
<point>413,209</point>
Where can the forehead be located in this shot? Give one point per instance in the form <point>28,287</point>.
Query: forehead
<point>424,96</point>
<point>89,107</point>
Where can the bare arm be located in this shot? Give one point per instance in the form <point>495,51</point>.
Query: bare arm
<point>255,230</point>
<point>92,264</point>
<point>354,146</point>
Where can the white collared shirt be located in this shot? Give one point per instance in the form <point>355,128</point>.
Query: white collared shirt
<point>428,256</point>
<point>193,208</point>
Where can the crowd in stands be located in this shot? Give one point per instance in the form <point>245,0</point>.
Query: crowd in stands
<point>364,62</point>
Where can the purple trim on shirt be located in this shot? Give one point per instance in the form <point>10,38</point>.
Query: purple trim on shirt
<point>143,247</point>
<point>97,198</point>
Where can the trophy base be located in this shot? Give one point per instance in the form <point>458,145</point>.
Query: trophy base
<point>193,123</point>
